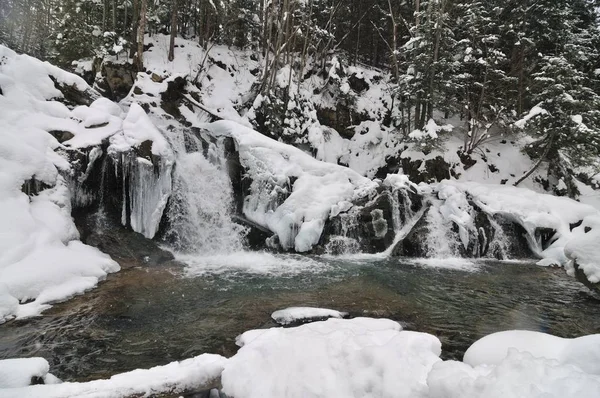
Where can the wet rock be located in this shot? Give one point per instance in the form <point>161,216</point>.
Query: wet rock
<point>367,227</point>
<point>341,118</point>
<point>257,236</point>
<point>581,277</point>
<point>414,244</point>
<point>128,248</point>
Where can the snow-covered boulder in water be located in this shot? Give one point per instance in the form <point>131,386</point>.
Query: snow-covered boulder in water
<point>291,193</point>
<point>293,315</point>
<point>335,358</point>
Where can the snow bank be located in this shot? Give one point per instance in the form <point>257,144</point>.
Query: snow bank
<point>299,314</point>
<point>519,375</point>
<point>41,259</point>
<point>194,374</point>
<point>19,372</point>
<point>584,248</point>
<point>583,352</point>
<point>335,358</point>
<point>296,213</point>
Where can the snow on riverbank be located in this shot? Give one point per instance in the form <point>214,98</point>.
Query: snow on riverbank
<point>361,357</point>
<point>194,374</point>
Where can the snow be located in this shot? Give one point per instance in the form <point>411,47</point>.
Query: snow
<point>519,375</point>
<point>19,371</point>
<point>319,187</point>
<point>583,352</point>
<point>530,209</point>
<point>535,111</point>
<point>194,374</point>
<point>584,248</point>
<point>335,358</point>
<point>41,259</point>
<point>295,314</point>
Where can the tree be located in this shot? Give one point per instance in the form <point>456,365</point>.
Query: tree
<point>173,30</point>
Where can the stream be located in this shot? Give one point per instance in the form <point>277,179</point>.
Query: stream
<point>150,316</point>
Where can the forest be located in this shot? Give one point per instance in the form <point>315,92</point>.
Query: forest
<point>489,62</point>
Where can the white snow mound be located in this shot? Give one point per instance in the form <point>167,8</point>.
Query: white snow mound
<point>296,314</point>
<point>336,358</point>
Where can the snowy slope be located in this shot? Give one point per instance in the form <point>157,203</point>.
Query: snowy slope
<point>41,259</point>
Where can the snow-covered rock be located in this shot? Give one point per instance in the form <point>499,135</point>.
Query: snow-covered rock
<point>191,375</point>
<point>304,314</point>
<point>583,352</point>
<point>519,375</point>
<point>291,193</point>
<point>335,358</point>
<point>20,372</point>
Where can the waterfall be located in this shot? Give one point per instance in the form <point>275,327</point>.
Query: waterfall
<point>202,204</point>
<point>441,241</point>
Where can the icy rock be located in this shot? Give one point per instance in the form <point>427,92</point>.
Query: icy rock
<point>304,314</point>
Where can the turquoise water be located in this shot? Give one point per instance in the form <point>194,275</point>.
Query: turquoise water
<point>152,316</point>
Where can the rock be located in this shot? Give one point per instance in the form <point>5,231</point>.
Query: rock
<point>341,118</point>
<point>414,244</point>
<point>581,277</point>
<point>119,79</point>
<point>172,97</point>
<point>61,136</point>
<point>257,236</point>
<point>435,170</point>
<point>367,227</point>
<point>72,96</point>
<point>33,186</point>
<point>128,248</point>
<point>358,84</point>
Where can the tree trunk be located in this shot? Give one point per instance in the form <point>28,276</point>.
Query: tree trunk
<point>134,27</point>
<point>173,31</point>
<point>140,35</point>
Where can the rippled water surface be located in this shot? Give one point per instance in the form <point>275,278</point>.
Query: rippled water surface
<point>152,316</point>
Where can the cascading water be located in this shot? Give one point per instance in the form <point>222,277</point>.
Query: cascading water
<point>200,211</point>
<point>441,242</point>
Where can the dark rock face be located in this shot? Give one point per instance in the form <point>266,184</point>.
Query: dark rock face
<point>33,186</point>
<point>340,118</point>
<point>118,79</point>
<point>126,247</point>
<point>72,96</point>
<point>369,226</point>
<point>414,244</point>
<point>581,277</point>
<point>358,84</point>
